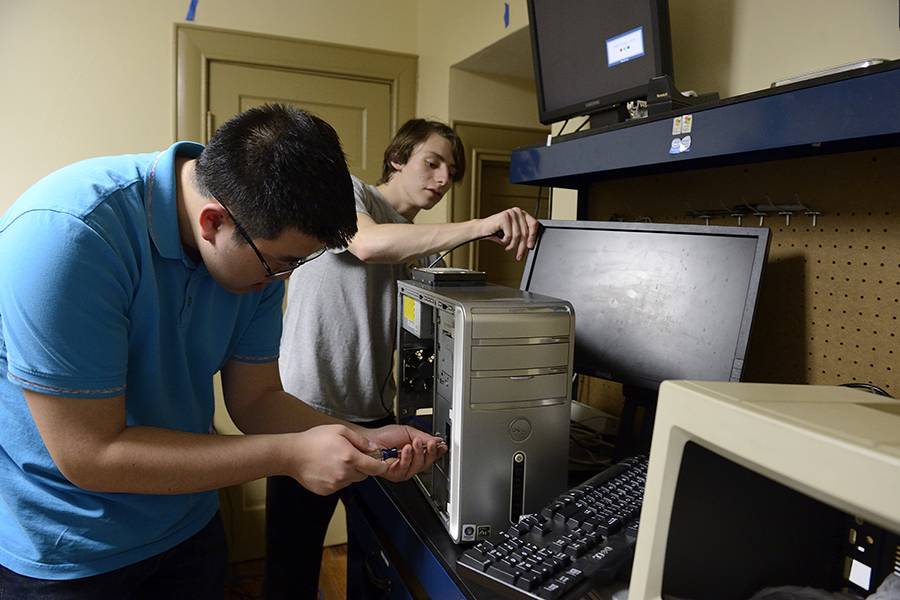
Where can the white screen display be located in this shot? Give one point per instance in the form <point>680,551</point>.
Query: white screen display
<point>625,47</point>
<point>860,574</point>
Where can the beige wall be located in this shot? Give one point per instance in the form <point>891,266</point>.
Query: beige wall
<point>96,77</point>
<point>452,31</point>
<point>739,46</point>
<point>480,98</point>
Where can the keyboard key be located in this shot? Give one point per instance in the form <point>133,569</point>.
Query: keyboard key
<point>551,509</point>
<point>503,572</point>
<point>577,519</point>
<point>528,581</point>
<point>475,559</point>
<point>543,526</point>
<point>558,561</point>
<point>566,511</point>
<point>528,565</point>
<point>542,571</point>
<point>565,582</point>
<point>551,591</point>
<point>519,528</point>
<point>576,575</point>
<point>610,526</point>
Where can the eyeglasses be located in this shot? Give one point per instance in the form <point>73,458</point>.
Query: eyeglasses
<point>270,273</point>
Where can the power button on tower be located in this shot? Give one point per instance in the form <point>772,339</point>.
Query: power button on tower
<point>520,429</point>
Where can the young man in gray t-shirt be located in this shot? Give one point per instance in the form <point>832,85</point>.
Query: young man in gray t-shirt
<point>339,325</point>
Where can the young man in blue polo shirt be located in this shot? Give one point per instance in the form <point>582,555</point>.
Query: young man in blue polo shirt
<point>125,284</point>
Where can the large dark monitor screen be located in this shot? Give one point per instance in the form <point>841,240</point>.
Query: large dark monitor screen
<point>653,301</point>
<point>589,55</point>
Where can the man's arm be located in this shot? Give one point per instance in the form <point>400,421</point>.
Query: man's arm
<point>91,445</point>
<point>400,242</point>
<point>257,403</point>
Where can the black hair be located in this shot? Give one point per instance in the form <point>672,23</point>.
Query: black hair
<point>277,167</point>
<point>413,133</point>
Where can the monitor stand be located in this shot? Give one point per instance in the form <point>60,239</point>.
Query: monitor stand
<point>609,115</point>
<point>663,97</point>
<point>636,424</point>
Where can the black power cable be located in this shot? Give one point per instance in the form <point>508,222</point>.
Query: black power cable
<point>867,387</point>
<point>498,234</point>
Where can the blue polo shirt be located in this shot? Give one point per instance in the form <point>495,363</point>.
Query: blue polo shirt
<point>97,298</point>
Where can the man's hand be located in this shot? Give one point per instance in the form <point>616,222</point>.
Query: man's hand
<point>519,230</point>
<point>417,450</point>
<point>331,457</point>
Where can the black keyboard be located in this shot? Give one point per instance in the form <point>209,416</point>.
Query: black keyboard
<point>582,540</point>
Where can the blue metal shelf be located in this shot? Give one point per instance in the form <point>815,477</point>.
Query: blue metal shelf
<point>834,114</point>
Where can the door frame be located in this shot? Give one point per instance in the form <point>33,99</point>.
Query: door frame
<point>196,47</point>
<point>478,157</point>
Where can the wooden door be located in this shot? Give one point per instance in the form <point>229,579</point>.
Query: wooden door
<point>359,109</point>
<point>488,150</point>
<point>494,193</point>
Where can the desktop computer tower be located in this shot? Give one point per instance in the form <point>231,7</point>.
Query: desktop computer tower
<point>489,369</point>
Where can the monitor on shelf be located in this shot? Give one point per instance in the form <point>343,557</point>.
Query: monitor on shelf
<point>652,301</point>
<point>590,58</point>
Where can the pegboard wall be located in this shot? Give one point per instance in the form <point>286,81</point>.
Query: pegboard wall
<point>827,312</point>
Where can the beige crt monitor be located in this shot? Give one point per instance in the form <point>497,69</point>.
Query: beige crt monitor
<point>754,485</point>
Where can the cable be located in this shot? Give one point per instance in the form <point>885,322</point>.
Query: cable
<point>583,123</point>
<point>498,234</point>
<point>590,441</point>
<point>537,206</point>
<point>390,372</point>
<point>435,261</point>
<point>868,387</point>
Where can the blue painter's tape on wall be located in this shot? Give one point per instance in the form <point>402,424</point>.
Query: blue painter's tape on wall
<point>505,15</point>
<point>192,9</point>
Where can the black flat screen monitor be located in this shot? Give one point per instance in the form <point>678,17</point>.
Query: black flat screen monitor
<point>593,54</point>
<point>653,301</point>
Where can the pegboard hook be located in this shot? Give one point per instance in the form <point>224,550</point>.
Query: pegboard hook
<point>813,214</point>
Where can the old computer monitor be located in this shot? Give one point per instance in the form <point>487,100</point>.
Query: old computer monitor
<point>591,56</point>
<point>757,485</point>
<point>652,301</point>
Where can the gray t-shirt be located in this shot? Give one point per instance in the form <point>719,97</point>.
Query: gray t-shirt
<point>339,326</point>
